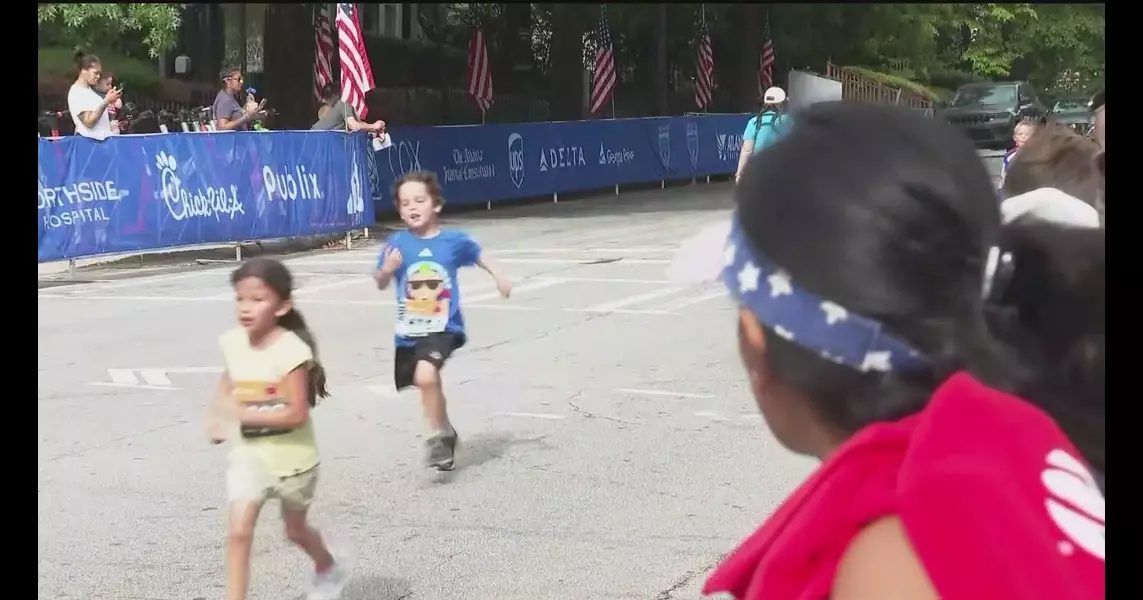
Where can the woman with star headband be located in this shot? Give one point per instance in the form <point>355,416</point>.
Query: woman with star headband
<point>866,281</point>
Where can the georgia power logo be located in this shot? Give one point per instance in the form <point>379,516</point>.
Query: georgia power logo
<point>1074,504</point>
<point>516,158</point>
<point>356,203</point>
<point>184,204</point>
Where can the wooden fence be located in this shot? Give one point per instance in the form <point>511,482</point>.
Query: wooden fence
<point>863,89</point>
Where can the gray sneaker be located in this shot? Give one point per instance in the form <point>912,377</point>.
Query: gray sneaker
<point>441,452</point>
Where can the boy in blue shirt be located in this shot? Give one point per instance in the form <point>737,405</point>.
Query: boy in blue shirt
<point>424,260</point>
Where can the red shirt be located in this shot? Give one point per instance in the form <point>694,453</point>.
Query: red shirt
<point>987,487</point>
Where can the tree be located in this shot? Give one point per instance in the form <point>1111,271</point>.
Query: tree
<point>87,25</point>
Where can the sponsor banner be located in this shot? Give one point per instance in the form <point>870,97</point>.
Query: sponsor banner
<point>142,192</point>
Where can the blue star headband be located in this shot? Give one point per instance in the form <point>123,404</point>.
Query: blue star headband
<point>806,319</point>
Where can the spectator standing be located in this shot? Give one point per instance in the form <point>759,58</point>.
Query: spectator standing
<point>89,110</point>
<point>765,128</point>
<point>229,114</point>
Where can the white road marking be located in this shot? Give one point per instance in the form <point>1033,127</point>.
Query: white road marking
<point>687,302</point>
<point>134,386</point>
<point>114,285</point>
<point>527,286</point>
<point>310,262</point>
<point>339,302</point>
<point>526,415</point>
<point>628,301</point>
<point>639,392</point>
<point>602,250</point>
<point>711,415</point>
<point>337,283</point>
<point>153,379</point>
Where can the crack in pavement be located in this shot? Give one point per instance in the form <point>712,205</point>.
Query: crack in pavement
<point>685,580</point>
<point>589,415</point>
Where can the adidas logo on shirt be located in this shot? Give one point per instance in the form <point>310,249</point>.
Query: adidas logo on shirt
<point>426,253</point>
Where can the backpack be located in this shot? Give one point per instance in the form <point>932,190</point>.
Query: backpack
<point>772,130</point>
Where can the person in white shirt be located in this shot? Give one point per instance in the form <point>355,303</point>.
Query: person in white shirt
<point>89,110</point>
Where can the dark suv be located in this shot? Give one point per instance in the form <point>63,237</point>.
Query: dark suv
<point>989,111</point>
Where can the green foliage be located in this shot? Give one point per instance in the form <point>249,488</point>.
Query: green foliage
<point>86,25</point>
<point>135,74</point>
<point>924,48</point>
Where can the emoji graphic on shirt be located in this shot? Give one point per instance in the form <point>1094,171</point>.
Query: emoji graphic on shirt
<point>260,396</point>
<point>427,299</point>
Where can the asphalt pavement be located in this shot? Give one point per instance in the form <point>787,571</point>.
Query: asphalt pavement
<point>610,445</point>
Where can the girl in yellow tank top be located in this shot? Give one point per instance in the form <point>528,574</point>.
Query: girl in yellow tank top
<point>271,383</point>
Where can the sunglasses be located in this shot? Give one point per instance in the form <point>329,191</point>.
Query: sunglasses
<point>432,284</point>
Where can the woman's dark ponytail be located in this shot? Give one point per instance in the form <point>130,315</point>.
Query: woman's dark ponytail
<point>294,322</point>
<point>1051,310</point>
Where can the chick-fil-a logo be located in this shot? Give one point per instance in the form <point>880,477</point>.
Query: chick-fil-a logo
<point>184,204</point>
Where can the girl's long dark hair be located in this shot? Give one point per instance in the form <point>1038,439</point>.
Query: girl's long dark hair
<point>764,108</point>
<point>278,278</point>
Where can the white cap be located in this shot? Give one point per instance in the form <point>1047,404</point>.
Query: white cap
<point>774,95</point>
<point>1052,206</point>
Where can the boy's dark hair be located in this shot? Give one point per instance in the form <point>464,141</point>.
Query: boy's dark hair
<point>1055,156</point>
<point>891,215</point>
<point>1051,310</point>
<point>330,92</point>
<point>428,178</point>
<point>278,278</point>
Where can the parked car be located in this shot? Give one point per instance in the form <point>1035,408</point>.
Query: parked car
<point>1073,113</point>
<point>989,111</point>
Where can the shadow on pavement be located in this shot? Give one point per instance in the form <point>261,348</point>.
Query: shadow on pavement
<point>482,448</point>
<point>373,587</point>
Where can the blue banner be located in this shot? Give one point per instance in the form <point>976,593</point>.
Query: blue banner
<point>482,163</point>
<point>142,192</point>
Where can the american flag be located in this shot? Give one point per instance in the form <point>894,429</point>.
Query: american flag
<point>766,62</point>
<point>704,68</point>
<point>356,74</point>
<point>603,80</point>
<point>479,76</point>
<point>323,51</point>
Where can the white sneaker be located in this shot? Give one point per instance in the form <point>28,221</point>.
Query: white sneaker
<point>328,585</point>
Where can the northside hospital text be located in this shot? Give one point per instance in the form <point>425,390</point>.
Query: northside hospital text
<point>145,192</point>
